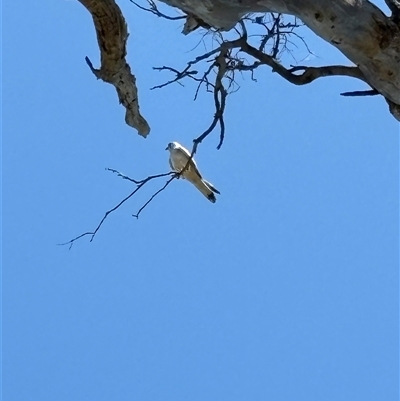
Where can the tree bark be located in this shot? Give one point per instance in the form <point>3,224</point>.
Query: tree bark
<point>112,35</point>
<point>357,28</point>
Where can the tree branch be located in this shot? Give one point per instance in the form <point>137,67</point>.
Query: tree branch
<point>153,9</point>
<point>226,62</point>
<point>174,175</point>
<point>219,101</point>
<point>140,184</point>
<point>179,75</point>
<point>112,36</point>
<point>358,29</point>
<point>309,74</point>
<point>371,92</point>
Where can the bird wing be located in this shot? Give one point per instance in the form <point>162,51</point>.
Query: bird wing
<point>211,186</point>
<point>171,164</point>
<point>179,160</point>
<point>202,185</point>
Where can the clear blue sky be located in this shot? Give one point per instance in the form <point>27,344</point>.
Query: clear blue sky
<point>286,289</point>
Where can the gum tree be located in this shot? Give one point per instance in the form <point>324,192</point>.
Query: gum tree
<point>359,29</point>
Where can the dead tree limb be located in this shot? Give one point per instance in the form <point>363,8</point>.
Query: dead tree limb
<point>112,35</point>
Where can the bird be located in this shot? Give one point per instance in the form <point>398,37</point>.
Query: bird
<point>179,160</point>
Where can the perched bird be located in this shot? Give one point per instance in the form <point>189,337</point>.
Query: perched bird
<point>179,159</point>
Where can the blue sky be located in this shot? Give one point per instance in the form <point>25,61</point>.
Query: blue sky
<point>286,289</point>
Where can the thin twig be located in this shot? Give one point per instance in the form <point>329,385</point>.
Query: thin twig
<point>154,10</point>
<point>140,184</point>
<point>156,193</point>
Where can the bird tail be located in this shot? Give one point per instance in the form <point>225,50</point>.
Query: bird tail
<point>204,188</point>
<point>211,187</point>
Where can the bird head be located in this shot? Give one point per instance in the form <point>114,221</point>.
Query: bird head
<point>172,145</point>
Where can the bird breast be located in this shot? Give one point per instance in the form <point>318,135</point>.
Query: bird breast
<point>178,160</point>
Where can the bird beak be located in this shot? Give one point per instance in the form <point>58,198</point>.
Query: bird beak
<point>166,148</point>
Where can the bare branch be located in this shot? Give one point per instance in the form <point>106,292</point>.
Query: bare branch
<point>175,175</point>
<point>205,80</point>
<point>219,101</point>
<point>240,66</point>
<point>140,184</point>
<point>112,35</point>
<point>276,36</point>
<point>371,92</point>
<point>219,91</point>
<point>225,60</point>
<point>309,73</point>
<point>154,10</point>
<point>186,73</point>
